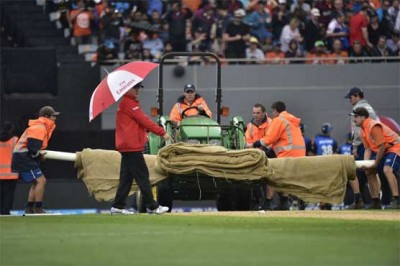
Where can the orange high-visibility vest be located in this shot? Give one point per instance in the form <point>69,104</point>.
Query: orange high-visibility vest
<point>284,135</point>
<point>254,133</point>
<point>6,149</point>
<point>392,139</point>
<point>180,107</point>
<point>41,128</point>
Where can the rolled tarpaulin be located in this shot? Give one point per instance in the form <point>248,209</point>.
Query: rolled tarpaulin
<point>99,170</point>
<point>314,179</point>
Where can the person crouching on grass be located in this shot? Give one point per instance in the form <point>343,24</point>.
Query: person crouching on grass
<point>382,145</point>
<point>26,156</point>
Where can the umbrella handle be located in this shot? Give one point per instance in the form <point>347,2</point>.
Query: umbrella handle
<point>58,155</point>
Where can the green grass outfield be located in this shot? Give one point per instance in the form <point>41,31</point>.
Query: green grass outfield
<point>216,239</point>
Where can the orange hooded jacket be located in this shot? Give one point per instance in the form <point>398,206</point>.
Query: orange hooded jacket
<point>284,136</point>
<point>35,138</point>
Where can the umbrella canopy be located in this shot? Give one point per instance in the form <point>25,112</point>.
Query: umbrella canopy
<point>391,123</point>
<point>116,84</point>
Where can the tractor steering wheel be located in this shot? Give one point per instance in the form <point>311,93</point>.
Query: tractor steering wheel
<point>191,107</point>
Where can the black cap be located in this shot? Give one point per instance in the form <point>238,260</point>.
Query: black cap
<point>139,85</point>
<point>326,128</point>
<point>47,111</point>
<point>353,91</point>
<point>360,111</point>
<point>189,87</point>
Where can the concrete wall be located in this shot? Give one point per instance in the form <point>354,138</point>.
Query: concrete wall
<point>313,93</point>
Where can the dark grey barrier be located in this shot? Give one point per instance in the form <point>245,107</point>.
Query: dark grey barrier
<point>29,70</point>
<point>315,93</point>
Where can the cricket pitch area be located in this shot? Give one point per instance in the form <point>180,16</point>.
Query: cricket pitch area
<point>347,215</point>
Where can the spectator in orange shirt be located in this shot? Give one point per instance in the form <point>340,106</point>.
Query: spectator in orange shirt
<point>319,55</point>
<point>81,21</point>
<point>193,5</point>
<point>376,4</point>
<point>276,56</point>
<point>337,56</point>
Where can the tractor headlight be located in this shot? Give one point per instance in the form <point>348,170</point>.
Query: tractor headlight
<point>163,121</point>
<point>193,141</point>
<point>235,121</point>
<point>215,142</point>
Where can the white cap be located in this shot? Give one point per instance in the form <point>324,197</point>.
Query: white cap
<point>281,1</point>
<point>315,12</point>
<point>240,13</point>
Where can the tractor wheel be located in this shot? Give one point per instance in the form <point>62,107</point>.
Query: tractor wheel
<point>243,199</point>
<point>235,199</point>
<point>224,202</point>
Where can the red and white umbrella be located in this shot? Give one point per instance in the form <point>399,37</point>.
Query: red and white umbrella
<point>116,84</point>
<point>391,123</point>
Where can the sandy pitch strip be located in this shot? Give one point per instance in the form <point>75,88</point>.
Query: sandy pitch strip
<point>347,215</point>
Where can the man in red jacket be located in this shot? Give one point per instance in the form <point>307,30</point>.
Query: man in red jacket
<point>130,138</point>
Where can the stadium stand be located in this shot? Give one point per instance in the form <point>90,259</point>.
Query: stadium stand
<point>31,27</point>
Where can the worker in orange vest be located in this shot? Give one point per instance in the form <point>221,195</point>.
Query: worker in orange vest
<point>189,104</point>
<point>285,138</point>
<point>382,145</point>
<point>26,157</point>
<point>256,129</point>
<point>8,179</point>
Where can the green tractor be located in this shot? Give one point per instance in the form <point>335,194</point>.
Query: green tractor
<point>230,195</point>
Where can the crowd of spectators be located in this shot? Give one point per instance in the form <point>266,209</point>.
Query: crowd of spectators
<point>253,31</point>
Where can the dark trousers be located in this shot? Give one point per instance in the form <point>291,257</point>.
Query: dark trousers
<point>233,54</point>
<point>133,166</point>
<point>7,189</point>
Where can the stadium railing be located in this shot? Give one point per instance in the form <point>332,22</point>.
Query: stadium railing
<point>268,61</point>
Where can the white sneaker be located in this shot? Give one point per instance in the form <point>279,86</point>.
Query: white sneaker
<point>159,210</point>
<point>120,211</point>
